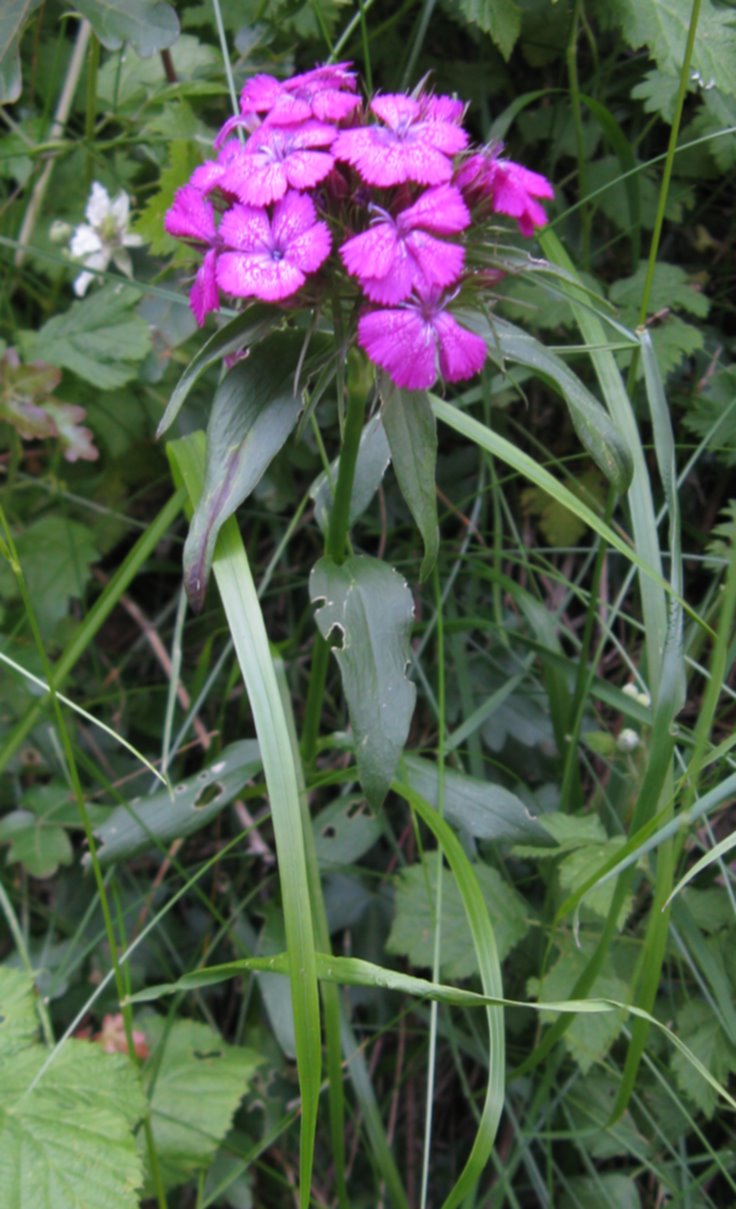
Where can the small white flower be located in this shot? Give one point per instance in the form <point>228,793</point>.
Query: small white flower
<point>628,740</point>
<point>641,698</point>
<point>103,238</point>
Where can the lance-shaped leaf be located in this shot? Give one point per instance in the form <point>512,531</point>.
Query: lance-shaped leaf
<point>254,411</point>
<point>412,436</point>
<point>239,334</point>
<point>160,818</point>
<point>366,609</point>
<point>600,436</point>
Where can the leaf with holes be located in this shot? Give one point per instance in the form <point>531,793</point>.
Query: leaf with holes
<point>254,411</point>
<point>196,1083</point>
<point>367,608</point>
<point>344,831</point>
<point>412,436</point>
<point>76,1119</point>
<point>161,818</point>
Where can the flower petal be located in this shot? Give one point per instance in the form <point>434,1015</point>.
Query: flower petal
<point>462,353</point>
<point>204,297</point>
<point>403,344</point>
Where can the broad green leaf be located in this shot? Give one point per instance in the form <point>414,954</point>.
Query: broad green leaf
<point>412,932</point>
<point>589,1037</point>
<point>486,811</point>
<point>700,1030</point>
<point>412,436</point>
<point>558,525</point>
<point>373,458</point>
<point>367,607</point>
<point>195,1086</point>
<point>499,18</point>
<point>101,339</point>
<point>568,831</point>
<point>605,1188</point>
<point>672,288</point>
<point>125,82</point>
<point>239,334</point>
<point>576,868</point>
<point>662,27</point>
<point>66,1117</point>
<point>596,430</point>
<point>344,831</point>
<point>254,410</point>
<point>40,849</point>
<point>161,818</point>
<point>149,25</point>
<point>55,555</point>
<point>13,14</point>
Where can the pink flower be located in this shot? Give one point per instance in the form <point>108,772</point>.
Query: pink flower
<point>191,216</point>
<point>510,188</point>
<point>326,93</point>
<point>411,145</point>
<point>419,339</point>
<point>397,255</point>
<point>203,296</point>
<point>275,159</point>
<point>209,174</point>
<point>271,257</point>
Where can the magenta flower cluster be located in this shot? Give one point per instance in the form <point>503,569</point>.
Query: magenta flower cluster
<point>306,167</point>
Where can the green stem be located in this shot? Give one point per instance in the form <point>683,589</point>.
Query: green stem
<point>335,545</point>
<point>577,115</point>
<point>571,794</point>
<point>669,164</point>
<point>93,62</point>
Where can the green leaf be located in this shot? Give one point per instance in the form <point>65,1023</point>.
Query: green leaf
<point>499,18</point>
<point>713,415</point>
<point>55,555</point>
<point>412,932</point>
<point>161,817</point>
<point>699,1029</point>
<point>570,831</point>
<point>40,849</point>
<point>13,14</point>
<point>412,436</point>
<point>590,1036</point>
<point>604,1188</point>
<point>368,607</point>
<point>662,26</point>
<point>183,159</point>
<point>66,1131</point>
<point>592,423</point>
<point>254,410</point>
<point>373,458</point>
<point>127,82</point>
<point>148,25</point>
<point>239,334</point>
<point>195,1086</point>
<point>486,811</point>
<point>672,289</point>
<point>558,525</point>
<point>100,339</point>
<point>344,831</point>
<point>576,868</point>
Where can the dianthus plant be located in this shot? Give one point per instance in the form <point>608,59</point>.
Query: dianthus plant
<point>359,229</point>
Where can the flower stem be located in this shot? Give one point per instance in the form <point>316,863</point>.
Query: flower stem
<point>335,544</point>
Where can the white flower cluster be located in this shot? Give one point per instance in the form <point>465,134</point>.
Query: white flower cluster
<point>103,238</point>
